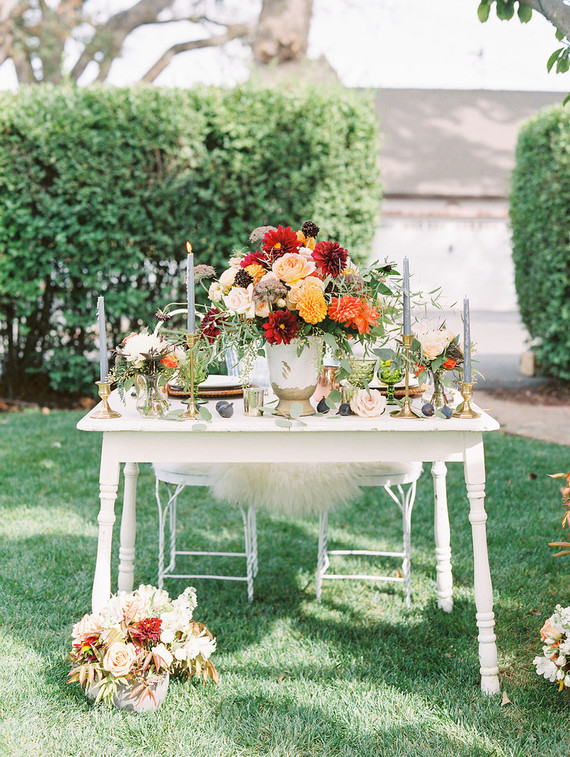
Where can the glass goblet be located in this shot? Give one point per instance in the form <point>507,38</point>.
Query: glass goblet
<point>390,375</point>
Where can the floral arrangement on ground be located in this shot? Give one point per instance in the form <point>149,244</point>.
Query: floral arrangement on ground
<point>136,638</point>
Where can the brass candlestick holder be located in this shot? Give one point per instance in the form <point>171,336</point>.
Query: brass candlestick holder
<point>103,411</point>
<point>406,411</point>
<point>466,393</point>
<point>191,412</point>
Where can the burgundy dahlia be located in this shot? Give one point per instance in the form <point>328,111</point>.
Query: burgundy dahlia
<point>282,326</point>
<point>210,326</point>
<point>330,257</point>
<point>279,242</point>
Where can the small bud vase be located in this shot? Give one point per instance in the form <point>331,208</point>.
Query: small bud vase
<point>438,398</point>
<point>151,401</point>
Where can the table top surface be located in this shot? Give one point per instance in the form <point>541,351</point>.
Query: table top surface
<point>131,420</point>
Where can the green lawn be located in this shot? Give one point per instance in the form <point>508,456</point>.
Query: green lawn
<point>360,674</point>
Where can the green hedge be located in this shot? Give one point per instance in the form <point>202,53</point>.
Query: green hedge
<point>540,219</point>
<point>100,188</point>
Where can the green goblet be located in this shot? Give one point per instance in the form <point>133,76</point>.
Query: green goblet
<point>390,374</point>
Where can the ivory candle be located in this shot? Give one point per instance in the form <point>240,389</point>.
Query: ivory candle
<point>406,293</point>
<point>466,342</point>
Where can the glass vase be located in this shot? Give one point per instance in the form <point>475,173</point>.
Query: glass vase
<point>438,398</point>
<point>151,401</point>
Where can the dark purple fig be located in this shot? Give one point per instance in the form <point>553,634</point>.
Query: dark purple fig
<point>428,409</point>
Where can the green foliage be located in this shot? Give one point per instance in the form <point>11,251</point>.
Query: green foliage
<point>540,218</point>
<point>100,188</point>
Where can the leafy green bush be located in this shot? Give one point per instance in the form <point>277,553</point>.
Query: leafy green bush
<point>540,219</point>
<point>100,188</point>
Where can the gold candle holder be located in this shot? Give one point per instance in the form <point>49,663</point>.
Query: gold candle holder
<point>466,393</point>
<point>191,412</point>
<point>103,411</point>
<point>406,411</point>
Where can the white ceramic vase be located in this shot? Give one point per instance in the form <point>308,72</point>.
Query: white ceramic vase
<point>123,699</point>
<point>294,377</point>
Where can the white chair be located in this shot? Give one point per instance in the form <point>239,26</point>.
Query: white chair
<point>389,476</point>
<point>177,477</point>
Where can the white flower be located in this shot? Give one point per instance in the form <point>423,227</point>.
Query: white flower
<point>433,343</point>
<point>153,599</point>
<point>368,403</point>
<point>167,635</point>
<point>227,277</point>
<point>545,668</point>
<point>216,291</point>
<point>165,654</point>
<point>194,646</point>
<point>134,346</point>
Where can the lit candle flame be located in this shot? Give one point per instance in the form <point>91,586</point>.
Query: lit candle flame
<point>188,248</point>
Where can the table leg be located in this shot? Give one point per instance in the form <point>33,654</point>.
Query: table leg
<point>475,482</point>
<point>128,529</point>
<point>108,486</point>
<point>442,538</point>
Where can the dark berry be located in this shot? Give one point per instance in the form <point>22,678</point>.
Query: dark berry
<point>344,409</point>
<point>428,409</point>
<point>220,404</point>
<point>227,410</point>
<point>446,411</point>
<point>322,407</point>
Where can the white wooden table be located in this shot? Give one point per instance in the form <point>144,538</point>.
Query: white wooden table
<point>132,439</point>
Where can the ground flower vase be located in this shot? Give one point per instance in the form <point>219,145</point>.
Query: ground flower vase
<point>151,401</point>
<point>294,377</point>
<point>437,389</point>
<point>124,699</point>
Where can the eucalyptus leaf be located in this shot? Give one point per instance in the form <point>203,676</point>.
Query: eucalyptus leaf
<point>296,410</point>
<point>199,427</point>
<point>205,414</point>
<point>283,423</point>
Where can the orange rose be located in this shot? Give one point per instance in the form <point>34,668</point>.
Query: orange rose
<point>169,361</point>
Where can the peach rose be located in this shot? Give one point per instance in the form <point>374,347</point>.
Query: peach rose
<point>550,631</point>
<point>368,403</point>
<point>239,301</point>
<point>228,276</point>
<point>119,658</point>
<point>87,626</point>
<point>292,267</point>
<point>433,343</point>
<point>262,309</point>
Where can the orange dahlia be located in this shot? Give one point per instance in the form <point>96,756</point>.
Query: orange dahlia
<point>344,309</point>
<point>312,306</point>
<point>256,271</point>
<point>366,318</point>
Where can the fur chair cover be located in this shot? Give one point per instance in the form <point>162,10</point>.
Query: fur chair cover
<point>293,489</point>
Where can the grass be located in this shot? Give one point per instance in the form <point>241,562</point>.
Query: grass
<point>360,674</point>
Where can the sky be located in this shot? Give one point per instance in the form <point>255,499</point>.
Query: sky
<point>370,43</point>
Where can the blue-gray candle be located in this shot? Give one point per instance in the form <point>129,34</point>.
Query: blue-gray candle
<point>103,362</point>
<point>406,293</point>
<point>191,322</point>
<point>466,343</point>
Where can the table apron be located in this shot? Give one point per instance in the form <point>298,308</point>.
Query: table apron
<point>287,447</point>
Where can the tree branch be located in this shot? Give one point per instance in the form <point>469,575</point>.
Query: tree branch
<point>233,32</point>
<point>554,11</point>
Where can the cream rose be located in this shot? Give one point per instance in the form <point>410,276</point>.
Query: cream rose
<point>119,658</point>
<point>228,277</point>
<point>239,301</point>
<point>262,309</point>
<point>292,267</point>
<point>368,403</point>
<point>216,291</point>
<point>433,343</point>
<point>87,626</point>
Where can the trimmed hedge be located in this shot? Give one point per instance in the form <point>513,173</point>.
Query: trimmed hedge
<point>540,220</point>
<point>100,188</point>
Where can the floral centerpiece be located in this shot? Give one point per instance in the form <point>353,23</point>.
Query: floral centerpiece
<point>554,663</point>
<point>437,352</point>
<point>135,639</point>
<point>291,289</point>
<point>146,361</point>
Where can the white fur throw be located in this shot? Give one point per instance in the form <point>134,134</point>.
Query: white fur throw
<point>294,489</point>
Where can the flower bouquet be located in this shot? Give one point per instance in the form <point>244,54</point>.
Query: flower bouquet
<point>437,352</point>
<point>146,361</point>
<point>135,640</point>
<point>554,663</point>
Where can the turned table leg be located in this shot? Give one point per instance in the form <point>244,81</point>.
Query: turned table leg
<point>128,529</point>
<point>108,486</point>
<point>442,538</point>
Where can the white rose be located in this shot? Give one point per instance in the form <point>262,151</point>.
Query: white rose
<point>227,278</point>
<point>216,291</point>
<point>239,301</point>
<point>167,636</point>
<point>368,403</point>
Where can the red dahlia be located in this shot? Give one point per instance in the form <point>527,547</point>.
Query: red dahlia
<point>330,257</point>
<point>146,630</point>
<point>255,258</point>
<point>210,326</point>
<point>282,326</point>
<point>277,242</point>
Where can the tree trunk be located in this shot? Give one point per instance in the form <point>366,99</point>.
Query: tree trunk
<point>556,11</point>
<point>283,31</point>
